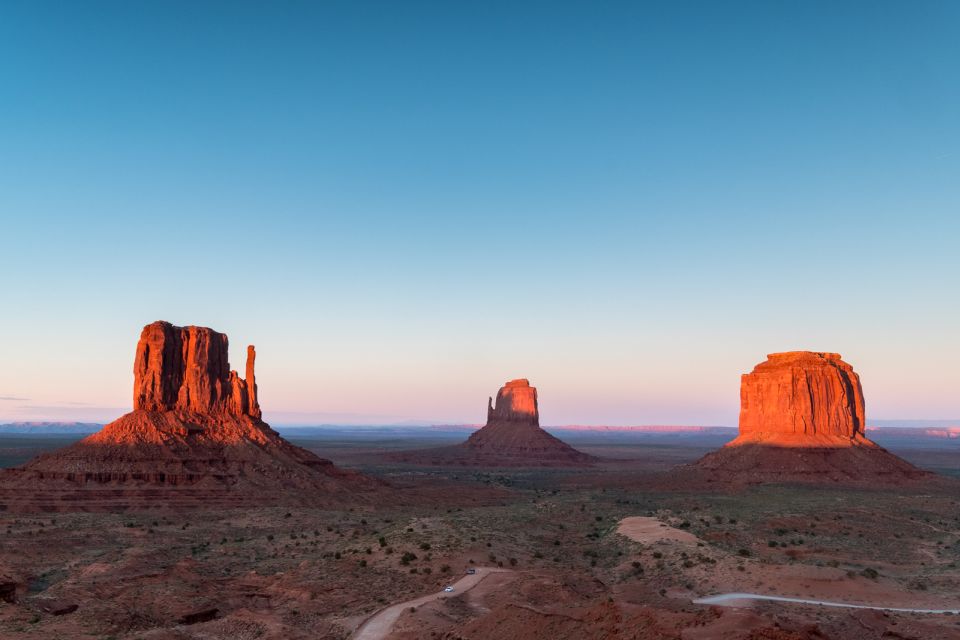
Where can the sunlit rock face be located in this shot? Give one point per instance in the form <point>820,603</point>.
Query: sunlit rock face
<point>186,369</point>
<point>516,402</point>
<point>801,398</point>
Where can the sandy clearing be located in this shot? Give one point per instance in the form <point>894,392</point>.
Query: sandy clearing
<point>380,625</point>
<point>647,530</point>
<point>732,599</point>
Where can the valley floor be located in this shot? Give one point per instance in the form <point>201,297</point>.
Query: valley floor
<point>571,570</point>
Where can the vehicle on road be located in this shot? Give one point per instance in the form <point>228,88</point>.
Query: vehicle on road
<point>449,589</point>
<point>471,571</point>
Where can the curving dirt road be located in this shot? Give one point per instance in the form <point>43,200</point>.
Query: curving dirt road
<point>379,626</point>
<point>728,598</point>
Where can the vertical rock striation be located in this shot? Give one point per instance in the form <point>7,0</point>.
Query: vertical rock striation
<point>187,369</point>
<point>802,398</point>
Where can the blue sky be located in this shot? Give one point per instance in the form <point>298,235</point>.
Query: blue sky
<point>405,204</point>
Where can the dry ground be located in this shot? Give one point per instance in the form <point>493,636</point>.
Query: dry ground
<point>277,573</point>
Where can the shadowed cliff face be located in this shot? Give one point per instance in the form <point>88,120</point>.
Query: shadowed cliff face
<point>799,398</point>
<point>186,369</point>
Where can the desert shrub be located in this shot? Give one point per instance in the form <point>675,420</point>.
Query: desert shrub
<point>407,557</point>
<point>744,552</point>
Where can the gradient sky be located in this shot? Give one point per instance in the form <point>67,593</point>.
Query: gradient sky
<point>404,204</point>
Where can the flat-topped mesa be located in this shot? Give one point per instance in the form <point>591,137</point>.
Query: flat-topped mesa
<point>187,369</point>
<point>801,420</point>
<point>516,402</point>
<point>801,398</point>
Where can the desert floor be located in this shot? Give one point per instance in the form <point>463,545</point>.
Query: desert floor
<point>572,570</point>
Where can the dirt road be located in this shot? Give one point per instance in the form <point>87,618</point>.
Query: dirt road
<point>730,598</point>
<point>380,625</point>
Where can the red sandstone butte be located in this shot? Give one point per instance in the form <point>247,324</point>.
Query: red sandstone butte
<point>511,437</point>
<point>802,420</point>
<point>186,369</point>
<point>801,398</point>
<point>195,437</point>
<point>516,402</point>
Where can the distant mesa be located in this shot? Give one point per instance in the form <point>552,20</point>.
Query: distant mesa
<point>802,420</point>
<point>512,436</point>
<point>194,438</point>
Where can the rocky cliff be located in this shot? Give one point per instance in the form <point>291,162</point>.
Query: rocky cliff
<point>516,402</point>
<point>187,369</point>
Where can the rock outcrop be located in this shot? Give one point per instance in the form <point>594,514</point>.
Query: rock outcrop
<point>802,420</point>
<point>801,398</point>
<point>187,369</point>
<point>511,437</point>
<point>194,438</point>
<point>516,402</point>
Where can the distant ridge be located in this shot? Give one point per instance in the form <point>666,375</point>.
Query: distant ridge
<point>652,428</point>
<point>50,428</point>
